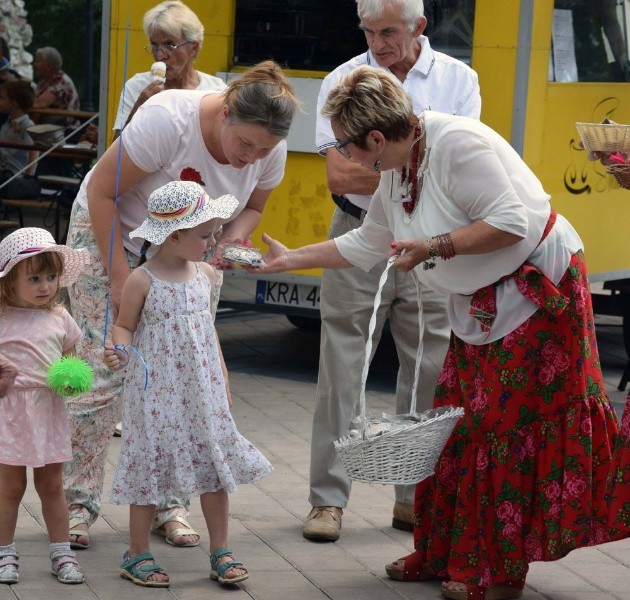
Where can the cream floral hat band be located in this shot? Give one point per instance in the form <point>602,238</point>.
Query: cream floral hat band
<point>181,205</point>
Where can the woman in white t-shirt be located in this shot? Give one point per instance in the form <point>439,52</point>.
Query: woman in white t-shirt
<point>230,142</point>
<point>175,36</point>
<point>523,476</point>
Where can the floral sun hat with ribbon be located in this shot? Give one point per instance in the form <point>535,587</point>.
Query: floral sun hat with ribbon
<point>30,241</point>
<point>181,205</point>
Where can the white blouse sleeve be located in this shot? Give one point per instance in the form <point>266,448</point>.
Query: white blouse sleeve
<point>369,244</point>
<point>476,179</point>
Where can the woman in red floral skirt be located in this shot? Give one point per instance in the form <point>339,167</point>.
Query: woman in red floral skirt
<point>533,449</point>
<point>523,477</point>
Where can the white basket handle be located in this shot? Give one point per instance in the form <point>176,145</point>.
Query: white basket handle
<point>368,347</point>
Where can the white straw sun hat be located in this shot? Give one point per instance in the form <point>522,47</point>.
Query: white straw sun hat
<point>30,241</point>
<point>181,205</point>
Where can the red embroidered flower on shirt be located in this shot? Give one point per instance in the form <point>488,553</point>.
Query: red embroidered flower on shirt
<point>190,174</point>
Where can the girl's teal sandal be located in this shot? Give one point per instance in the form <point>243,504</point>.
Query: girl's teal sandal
<point>138,573</point>
<point>219,571</point>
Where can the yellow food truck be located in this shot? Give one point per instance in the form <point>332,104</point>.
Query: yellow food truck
<point>543,65</point>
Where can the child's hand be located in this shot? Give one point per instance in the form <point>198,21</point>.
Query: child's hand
<point>8,372</point>
<point>113,359</point>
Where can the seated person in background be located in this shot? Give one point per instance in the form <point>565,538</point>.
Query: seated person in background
<point>16,99</point>
<point>5,54</point>
<point>54,89</point>
<point>6,72</point>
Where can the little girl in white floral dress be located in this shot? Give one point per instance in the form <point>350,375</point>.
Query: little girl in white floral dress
<point>179,437</point>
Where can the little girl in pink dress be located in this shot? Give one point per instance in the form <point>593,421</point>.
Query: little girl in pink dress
<point>35,330</point>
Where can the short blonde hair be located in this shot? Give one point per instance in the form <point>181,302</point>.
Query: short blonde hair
<point>173,18</point>
<point>368,99</point>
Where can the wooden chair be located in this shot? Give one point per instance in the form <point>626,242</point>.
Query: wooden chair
<point>50,201</point>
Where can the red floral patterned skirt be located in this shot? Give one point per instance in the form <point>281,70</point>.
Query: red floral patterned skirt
<point>619,481</point>
<point>523,477</point>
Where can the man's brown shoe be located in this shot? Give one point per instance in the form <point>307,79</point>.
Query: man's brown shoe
<point>403,516</point>
<point>323,524</point>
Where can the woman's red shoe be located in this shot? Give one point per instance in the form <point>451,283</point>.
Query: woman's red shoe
<point>409,568</point>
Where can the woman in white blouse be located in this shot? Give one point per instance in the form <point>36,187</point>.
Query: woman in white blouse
<point>522,478</point>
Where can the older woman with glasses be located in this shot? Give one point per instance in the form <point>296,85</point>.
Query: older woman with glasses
<point>523,476</point>
<point>175,36</point>
<point>230,141</point>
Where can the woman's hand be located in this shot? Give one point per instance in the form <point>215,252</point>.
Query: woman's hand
<point>275,260</point>
<point>217,260</point>
<point>113,358</point>
<point>8,373</point>
<point>412,253</point>
<point>606,157</point>
<point>155,87</point>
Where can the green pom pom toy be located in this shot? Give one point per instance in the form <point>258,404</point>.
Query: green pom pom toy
<point>70,376</point>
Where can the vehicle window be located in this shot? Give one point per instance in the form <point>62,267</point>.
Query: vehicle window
<point>590,41</point>
<point>319,35</point>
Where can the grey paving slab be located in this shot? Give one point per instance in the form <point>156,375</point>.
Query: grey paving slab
<point>273,374</point>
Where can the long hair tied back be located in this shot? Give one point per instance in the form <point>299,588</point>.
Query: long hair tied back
<point>143,253</point>
<point>263,96</point>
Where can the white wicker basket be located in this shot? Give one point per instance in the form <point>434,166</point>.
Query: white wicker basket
<point>409,452</point>
<point>604,137</point>
<point>402,456</point>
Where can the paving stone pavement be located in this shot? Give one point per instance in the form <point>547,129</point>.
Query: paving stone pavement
<point>273,373</point>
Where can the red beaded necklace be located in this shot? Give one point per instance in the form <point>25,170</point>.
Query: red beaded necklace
<point>409,177</point>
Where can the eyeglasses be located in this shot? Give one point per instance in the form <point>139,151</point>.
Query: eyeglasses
<point>165,48</point>
<point>341,147</point>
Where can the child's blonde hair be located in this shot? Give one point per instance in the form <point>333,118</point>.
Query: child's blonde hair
<point>45,263</point>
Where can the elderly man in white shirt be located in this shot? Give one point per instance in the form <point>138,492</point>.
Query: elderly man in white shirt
<point>393,31</point>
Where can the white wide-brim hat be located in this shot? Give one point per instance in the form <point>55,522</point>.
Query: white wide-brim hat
<point>30,241</point>
<point>181,205</point>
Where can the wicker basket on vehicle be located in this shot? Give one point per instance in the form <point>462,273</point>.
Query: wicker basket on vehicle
<point>604,137</point>
<point>400,449</point>
<point>621,173</point>
<point>404,455</point>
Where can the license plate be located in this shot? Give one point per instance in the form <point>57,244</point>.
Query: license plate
<point>287,294</point>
